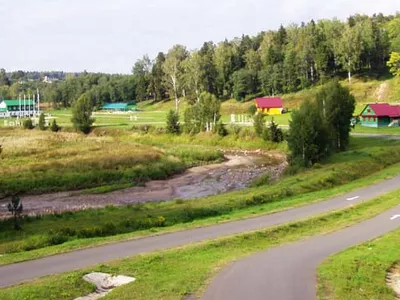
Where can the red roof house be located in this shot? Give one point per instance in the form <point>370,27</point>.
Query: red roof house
<point>270,105</point>
<point>379,114</point>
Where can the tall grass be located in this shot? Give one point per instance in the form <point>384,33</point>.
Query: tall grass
<point>38,162</point>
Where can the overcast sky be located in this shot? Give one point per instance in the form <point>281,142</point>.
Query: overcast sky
<point>109,35</point>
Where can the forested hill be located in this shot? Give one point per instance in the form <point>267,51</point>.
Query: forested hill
<point>274,62</point>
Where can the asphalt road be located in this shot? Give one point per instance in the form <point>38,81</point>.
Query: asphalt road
<point>16,273</point>
<point>289,272</point>
<point>376,135</point>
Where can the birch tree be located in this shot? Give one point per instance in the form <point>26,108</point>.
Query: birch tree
<point>194,72</point>
<point>224,64</point>
<point>350,48</point>
<point>173,70</point>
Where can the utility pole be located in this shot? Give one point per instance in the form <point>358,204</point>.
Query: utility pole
<point>33,104</point>
<point>20,108</point>
<point>29,105</point>
<point>38,101</point>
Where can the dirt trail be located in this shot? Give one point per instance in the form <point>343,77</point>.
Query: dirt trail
<point>382,91</point>
<point>235,173</point>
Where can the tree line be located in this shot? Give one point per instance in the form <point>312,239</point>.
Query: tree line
<point>272,62</point>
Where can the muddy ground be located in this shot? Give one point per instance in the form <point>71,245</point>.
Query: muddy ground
<point>237,172</point>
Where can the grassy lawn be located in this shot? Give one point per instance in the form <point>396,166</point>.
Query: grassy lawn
<point>33,160</point>
<point>365,267</point>
<point>113,120</point>
<point>382,130</point>
<point>174,273</point>
<point>367,160</point>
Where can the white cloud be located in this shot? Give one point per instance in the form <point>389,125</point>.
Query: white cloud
<point>104,35</point>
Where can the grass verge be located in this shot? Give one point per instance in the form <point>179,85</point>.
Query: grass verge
<point>365,267</point>
<point>172,274</point>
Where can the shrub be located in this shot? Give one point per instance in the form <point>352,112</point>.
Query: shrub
<point>173,126</point>
<point>161,221</point>
<point>275,133</point>
<point>88,232</point>
<point>260,181</point>
<point>266,134</point>
<point>221,130</point>
<point>236,129</point>
<point>82,114</point>
<point>247,133</point>
<point>54,127</point>
<point>28,124</point>
<point>143,128</point>
<point>57,239</point>
<point>259,124</point>
<point>252,110</point>
<point>109,229</point>
<point>42,122</point>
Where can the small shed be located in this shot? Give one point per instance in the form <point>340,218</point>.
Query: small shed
<point>380,115</point>
<point>270,105</point>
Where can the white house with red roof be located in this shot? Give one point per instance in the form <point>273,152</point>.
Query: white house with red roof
<point>380,115</point>
<point>270,105</point>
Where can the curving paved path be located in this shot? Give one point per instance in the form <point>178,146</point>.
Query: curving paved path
<point>15,273</point>
<point>288,272</point>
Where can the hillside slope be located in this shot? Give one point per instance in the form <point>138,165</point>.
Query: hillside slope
<point>365,90</point>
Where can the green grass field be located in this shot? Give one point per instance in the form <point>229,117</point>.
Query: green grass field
<point>175,273</point>
<point>365,268</point>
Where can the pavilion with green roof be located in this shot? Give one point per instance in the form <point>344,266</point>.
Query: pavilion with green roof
<point>119,107</point>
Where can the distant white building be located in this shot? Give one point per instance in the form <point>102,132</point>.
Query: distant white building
<point>46,79</point>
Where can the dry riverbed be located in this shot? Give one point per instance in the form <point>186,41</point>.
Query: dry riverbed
<point>237,172</point>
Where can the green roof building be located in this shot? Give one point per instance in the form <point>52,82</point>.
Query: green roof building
<point>17,108</point>
<point>119,107</point>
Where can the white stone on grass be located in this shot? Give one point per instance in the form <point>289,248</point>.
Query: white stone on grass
<point>104,283</point>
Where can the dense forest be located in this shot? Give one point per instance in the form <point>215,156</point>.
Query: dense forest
<point>273,62</point>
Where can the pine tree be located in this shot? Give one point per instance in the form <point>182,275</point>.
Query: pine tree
<point>259,124</point>
<point>54,127</point>
<point>275,133</point>
<point>82,114</point>
<point>42,122</point>
<point>173,126</point>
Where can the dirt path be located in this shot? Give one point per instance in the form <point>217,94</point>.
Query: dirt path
<point>381,93</point>
<point>235,173</point>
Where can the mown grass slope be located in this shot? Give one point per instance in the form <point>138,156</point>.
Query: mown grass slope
<point>360,272</point>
